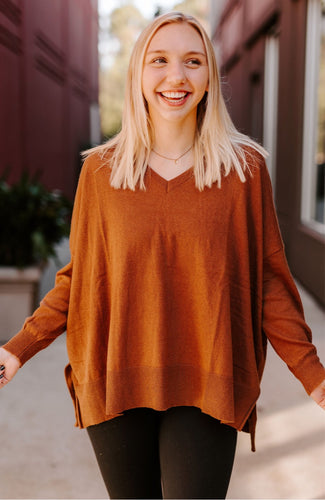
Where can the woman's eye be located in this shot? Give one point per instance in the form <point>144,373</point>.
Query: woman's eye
<point>159,60</point>
<point>193,62</point>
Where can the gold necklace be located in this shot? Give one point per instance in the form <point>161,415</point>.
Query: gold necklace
<point>176,160</point>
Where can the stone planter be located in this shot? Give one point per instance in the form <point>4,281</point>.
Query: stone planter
<point>18,298</point>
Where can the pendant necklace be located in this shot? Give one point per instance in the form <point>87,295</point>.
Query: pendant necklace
<point>176,160</point>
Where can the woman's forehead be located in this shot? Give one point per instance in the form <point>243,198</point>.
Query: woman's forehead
<point>185,35</point>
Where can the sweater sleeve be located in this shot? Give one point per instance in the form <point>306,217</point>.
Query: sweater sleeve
<point>284,323</point>
<point>50,318</point>
<point>283,316</point>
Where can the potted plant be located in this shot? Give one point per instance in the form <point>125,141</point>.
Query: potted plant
<point>33,220</point>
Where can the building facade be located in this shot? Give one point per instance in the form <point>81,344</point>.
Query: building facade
<point>48,87</point>
<point>272,60</point>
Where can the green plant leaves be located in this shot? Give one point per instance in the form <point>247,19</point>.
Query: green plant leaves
<point>33,220</point>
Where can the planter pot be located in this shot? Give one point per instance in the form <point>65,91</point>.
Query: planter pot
<point>18,298</point>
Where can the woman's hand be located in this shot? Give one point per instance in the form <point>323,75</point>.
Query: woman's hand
<point>9,366</point>
<point>318,395</point>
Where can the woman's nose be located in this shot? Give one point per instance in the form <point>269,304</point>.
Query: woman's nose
<point>176,74</point>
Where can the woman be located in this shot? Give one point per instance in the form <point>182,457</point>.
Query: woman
<point>177,278</point>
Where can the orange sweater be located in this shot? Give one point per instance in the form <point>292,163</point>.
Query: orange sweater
<point>170,296</point>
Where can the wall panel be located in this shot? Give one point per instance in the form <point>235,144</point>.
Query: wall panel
<point>49,63</point>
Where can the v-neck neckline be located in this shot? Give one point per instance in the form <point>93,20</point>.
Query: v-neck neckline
<point>171,183</point>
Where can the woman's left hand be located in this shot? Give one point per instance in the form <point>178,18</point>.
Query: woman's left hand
<point>318,394</point>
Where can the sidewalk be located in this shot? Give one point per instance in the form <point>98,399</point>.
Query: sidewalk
<point>42,455</point>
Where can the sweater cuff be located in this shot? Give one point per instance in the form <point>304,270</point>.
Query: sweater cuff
<point>311,376</point>
<point>24,346</point>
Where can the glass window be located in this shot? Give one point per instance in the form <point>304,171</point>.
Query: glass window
<point>270,119</point>
<point>313,182</point>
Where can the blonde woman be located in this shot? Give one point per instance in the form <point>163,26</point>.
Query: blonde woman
<point>176,281</point>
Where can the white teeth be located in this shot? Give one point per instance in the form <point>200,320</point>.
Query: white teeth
<point>174,95</point>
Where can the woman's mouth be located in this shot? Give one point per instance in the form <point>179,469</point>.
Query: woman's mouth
<point>174,98</point>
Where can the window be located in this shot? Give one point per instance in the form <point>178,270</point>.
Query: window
<point>313,180</point>
<point>271,77</point>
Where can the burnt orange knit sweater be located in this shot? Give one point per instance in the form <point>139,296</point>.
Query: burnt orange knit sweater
<point>170,296</point>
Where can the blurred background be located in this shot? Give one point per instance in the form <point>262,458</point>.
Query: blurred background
<point>63,65</point>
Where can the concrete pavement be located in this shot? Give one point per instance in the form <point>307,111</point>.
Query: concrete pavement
<point>42,455</point>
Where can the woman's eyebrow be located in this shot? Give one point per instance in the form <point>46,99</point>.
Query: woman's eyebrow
<point>163,51</point>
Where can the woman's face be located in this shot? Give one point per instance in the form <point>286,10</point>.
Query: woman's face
<point>175,73</point>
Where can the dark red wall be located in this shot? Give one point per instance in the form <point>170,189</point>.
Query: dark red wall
<point>49,79</point>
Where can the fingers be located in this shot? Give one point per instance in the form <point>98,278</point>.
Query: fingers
<point>3,378</point>
<point>9,365</point>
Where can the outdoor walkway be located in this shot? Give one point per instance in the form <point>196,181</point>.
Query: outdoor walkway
<point>42,455</point>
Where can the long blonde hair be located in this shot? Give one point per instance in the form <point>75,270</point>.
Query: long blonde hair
<point>218,146</point>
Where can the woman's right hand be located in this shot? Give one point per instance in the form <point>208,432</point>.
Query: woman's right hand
<point>9,366</point>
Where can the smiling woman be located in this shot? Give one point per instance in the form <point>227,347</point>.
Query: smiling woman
<point>177,280</point>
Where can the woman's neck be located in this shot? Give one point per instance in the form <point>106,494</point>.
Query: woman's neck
<point>172,151</point>
<point>173,139</point>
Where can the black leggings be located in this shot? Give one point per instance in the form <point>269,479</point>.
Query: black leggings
<point>177,453</point>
